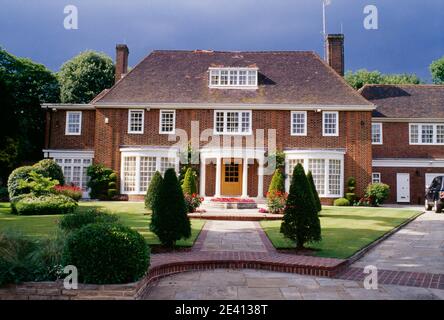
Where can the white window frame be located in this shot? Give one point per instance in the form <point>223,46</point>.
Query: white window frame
<point>326,155</point>
<point>130,111</point>
<point>225,131</point>
<point>305,123</point>
<point>236,84</point>
<point>160,121</point>
<point>324,113</point>
<point>420,125</point>
<point>67,123</point>
<point>376,177</point>
<point>158,153</point>
<point>379,124</point>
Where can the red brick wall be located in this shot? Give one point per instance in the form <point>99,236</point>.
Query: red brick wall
<point>396,144</point>
<point>417,181</point>
<point>354,129</point>
<point>55,131</point>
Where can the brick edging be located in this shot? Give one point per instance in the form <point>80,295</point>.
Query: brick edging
<point>228,217</point>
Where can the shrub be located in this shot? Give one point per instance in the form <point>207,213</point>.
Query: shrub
<point>101,179</point>
<point>301,222</point>
<point>312,185</point>
<point>169,220</point>
<point>37,184</point>
<point>50,169</point>
<point>350,196</point>
<point>49,258</point>
<point>17,258</point>
<point>276,202</point>
<point>107,253</point>
<point>189,182</point>
<point>21,173</point>
<point>277,183</point>
<point>77,220</point>
<point>351,187</point>
<point>377,193</point>
<point>73,192</point>
<point>192,201</point>
<point>112,193</point>
<point>341,202</point>
<point>153,190</point>
<point>42,205</point>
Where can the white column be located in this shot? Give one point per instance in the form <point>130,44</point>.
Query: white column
<point>218,175</point>
<point>245,178</point>
<point>202,176</point>
<point>260,179</point>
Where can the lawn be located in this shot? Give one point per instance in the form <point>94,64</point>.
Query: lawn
<point>345,230</point>
<point>132,214</point>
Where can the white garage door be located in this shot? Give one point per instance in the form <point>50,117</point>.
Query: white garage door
<point>430,176</point>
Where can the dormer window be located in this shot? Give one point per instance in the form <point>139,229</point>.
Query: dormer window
<point>233,78</point>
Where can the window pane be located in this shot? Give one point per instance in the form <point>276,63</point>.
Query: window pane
<point>242,78</point>
<point>376,133</point>
<point>317,168</point>
<point>440,134</point>
<point>334,177</point>
<point>224,77</point>
<point>147,170</point>
<point>233,78</point>
<point>414,134</point>
<point>214,77</point>
<point>232,122</point>
<point>252,75</point>
<point>167,121</point>
<point>298,123</point>
<point>129,173</point>
<point>166,163</point>
<point>427,134</point>
<point>245,122</point>
<point>219,121</point>
<point>73,122</point>
<point>330,123</point>
<point>376,177</point>
<point>136,121</point>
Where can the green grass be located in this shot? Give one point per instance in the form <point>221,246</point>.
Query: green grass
<point>345,230</point>
<point>132,214</point>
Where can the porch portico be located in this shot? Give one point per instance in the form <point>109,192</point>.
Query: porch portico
<point>232,173</point>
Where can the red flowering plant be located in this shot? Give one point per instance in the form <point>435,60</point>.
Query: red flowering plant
<point>73,192</point>
<point>276,201</point>
<point>193,201</point>
<point>232,200</point>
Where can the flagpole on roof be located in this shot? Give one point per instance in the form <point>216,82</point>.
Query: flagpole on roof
<point>324,26</point>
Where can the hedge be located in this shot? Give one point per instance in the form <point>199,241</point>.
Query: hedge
<point>77,220</point>
<point>42,205</point>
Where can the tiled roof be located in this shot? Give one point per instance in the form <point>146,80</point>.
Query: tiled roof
<point>406,101</point>
<point>293,77</point>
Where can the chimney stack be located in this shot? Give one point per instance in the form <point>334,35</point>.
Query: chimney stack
<point>121,61</point>
<point>335,52</point>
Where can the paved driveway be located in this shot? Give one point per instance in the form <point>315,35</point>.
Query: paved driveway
<point>418,247</point>
<point>228,284</point>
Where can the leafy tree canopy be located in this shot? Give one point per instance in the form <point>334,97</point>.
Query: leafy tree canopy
<point>85,76</point>
<point>362,77</point>
<point>437,71</point>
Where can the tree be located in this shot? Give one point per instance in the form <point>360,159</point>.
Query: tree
<point>301,222</point>
<point>101,181</point>
<point>277,183</point>
<point>153,190</point>
<point>85,76</point>
<point>437,71</point>
<point>312,185</point>
<point>24,85</point>
<point>362,77</point>
<point>189,182</point>
<point>169,220</point>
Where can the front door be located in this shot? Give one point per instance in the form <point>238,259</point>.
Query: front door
<point>403,187</point>
<point>231,177</point>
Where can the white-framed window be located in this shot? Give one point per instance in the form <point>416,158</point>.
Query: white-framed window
<point>376,133</point>
<point>138,168</point>
<point>74,170</point>
<point>234,78</point>
<point>376,177</point>
<point>426,133</point>
<point>327,169</point>
<point>136,121</point>
<point>330,123</point>
<point>167,121</point>
<point>232,122</point>
<point>73,123</point>
<point>298,123</point>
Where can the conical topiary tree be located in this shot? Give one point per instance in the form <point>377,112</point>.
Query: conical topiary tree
<point>277,183</point>
<point>315,192</point>
<point>169,220</point>
<point>153,189</point>
<point>189,182</point>
<point>301,222</point>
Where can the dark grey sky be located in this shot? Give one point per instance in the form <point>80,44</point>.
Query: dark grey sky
<point>410,34</point>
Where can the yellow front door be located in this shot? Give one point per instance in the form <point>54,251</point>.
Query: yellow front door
<point>231,177</point>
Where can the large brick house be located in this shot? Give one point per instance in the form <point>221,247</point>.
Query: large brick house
<point>407,137</point>
<point>236,108</point>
